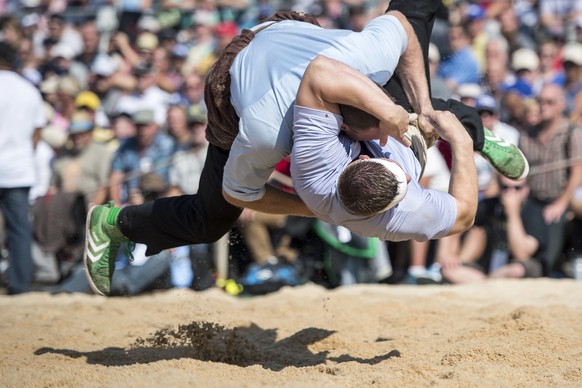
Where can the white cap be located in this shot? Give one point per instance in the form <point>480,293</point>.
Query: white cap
<point>573,53</point>
<point>49,85</point>
<point>62,50</point>
<point>469,90</point>
<point>204,17</point>
<point>434,54</point>
<point>524,59</point>
<point>103,65</point>
<point>54,136</point>
<point>149,23</point>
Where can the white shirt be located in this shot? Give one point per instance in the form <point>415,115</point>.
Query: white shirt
<point>265,77</point>
<point>506,132</point>
<point>186,169</point>
<point>320,154</point>
<point>152,98</point>
<point>21,112</point>
<point>43,157</point>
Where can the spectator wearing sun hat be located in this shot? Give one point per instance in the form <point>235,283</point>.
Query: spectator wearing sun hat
<point>89,102</point>
<point>62,63</point>
<point>469,93</point>
<point>145,45</point>
<point>150,151</point>
<point>188,162</point>
<point>146,95</point>
<point>84,166</point>
<point>572,56</point>
<point>67,89</point>
<point>202,55</point>
<point>489,111</point>
<point>61,32</point>
<point>524,63</point>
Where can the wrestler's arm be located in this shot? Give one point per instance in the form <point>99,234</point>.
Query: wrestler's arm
<point>411,71</point>
<point>328,83</point>
<point>274,201</point>
<point>463,184</point>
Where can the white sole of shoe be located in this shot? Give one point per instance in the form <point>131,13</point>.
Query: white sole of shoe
<point>526,171</point>
<point>85,266</point>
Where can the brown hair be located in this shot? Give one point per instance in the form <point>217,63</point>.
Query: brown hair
<point>366,188</point>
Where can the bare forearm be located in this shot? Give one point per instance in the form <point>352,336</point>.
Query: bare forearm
<point>521,245</point>
<point>123,81</point>
<point>463,185</point>
<point>130,55</point>
<point>474,244</point>
<point>274,201</point>
<point>355,89</point>
<point>411,70</point>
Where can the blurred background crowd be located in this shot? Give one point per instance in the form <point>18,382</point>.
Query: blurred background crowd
<point>122,95</point>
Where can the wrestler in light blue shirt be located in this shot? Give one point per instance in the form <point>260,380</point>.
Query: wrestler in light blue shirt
<point>320,154</point>
<point>266,76</point>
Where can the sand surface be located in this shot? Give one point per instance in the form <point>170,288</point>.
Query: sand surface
<point>525,333</point>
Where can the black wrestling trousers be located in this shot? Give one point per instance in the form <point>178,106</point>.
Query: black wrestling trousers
<point>188,219</point>
<point>421,15</point>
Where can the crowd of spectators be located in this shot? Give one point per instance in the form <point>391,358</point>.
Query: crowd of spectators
<point>122,86</point>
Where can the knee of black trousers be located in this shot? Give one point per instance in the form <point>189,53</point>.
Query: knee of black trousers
<point>468,116</point>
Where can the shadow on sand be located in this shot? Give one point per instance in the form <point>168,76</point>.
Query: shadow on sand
<point>242,346</point>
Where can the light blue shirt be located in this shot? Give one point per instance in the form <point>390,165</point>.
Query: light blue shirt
<point>320,154</point>
<point>461,67</point>
<point>265,77</point>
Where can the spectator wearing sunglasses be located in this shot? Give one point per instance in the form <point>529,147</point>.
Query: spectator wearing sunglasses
<point>554,151</point>
<point>509,241</point>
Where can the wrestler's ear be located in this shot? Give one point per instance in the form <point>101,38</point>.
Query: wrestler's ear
<point>344,127</point>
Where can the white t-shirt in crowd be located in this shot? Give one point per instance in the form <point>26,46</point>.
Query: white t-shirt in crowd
<point>21,112</point>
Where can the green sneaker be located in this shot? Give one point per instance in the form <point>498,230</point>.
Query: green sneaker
<point>102,243</point>
<point>506,158</point>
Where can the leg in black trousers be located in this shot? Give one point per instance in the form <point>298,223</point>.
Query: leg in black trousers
<point>421,15</point>
<point>189,219</point>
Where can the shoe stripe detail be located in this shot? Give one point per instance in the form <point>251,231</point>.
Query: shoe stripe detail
<point>498,140</point>
<point>96,247</point>
<point>96,251</point>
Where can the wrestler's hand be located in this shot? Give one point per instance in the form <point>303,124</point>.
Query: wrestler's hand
<point>425,123</point>
<point>448,127</point>
<point>395,126</point>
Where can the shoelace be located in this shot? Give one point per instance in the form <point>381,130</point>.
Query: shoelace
<point>129,247</point>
